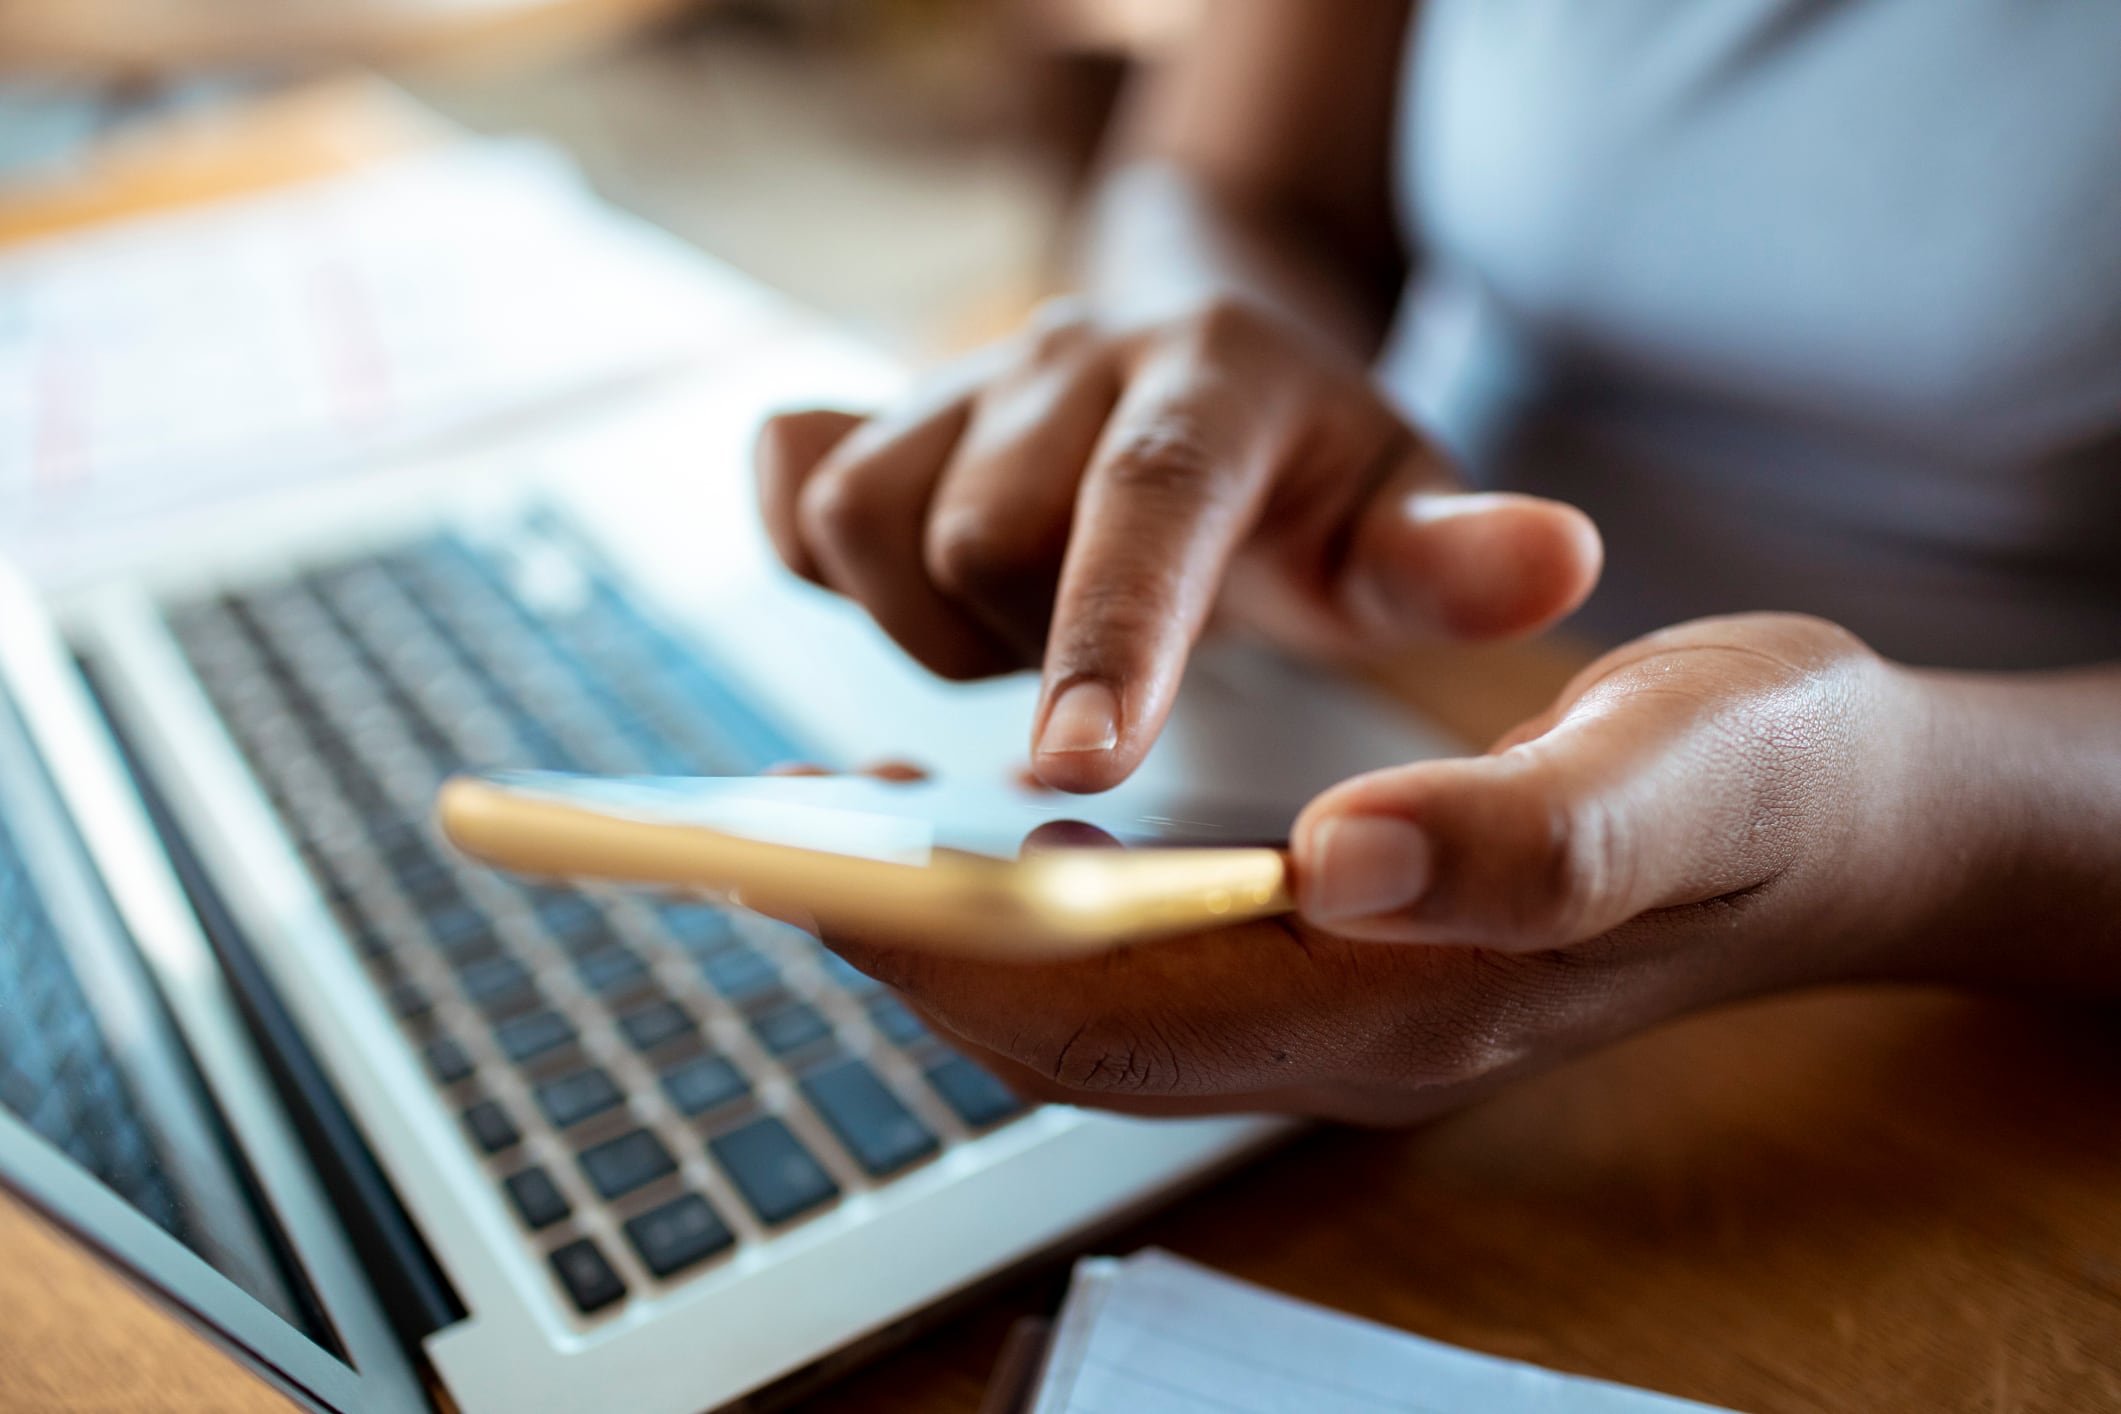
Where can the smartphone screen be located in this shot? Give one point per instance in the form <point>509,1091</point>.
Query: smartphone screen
<point>907,822</point>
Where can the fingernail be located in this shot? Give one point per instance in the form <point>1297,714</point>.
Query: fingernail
<point>1085,717</point>
<point>1365,865</point>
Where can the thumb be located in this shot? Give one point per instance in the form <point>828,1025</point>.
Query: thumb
<point>1425,557</point>
<point>1670,781</point>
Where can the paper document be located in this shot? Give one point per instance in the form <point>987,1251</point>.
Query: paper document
<point>154,363</point>
<point>1152,1334</point>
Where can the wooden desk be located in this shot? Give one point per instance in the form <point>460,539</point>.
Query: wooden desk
<point>1853,1201</point>
<point>1849,1202</point>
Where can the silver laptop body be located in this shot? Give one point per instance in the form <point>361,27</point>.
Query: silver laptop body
<point>560,1151</point>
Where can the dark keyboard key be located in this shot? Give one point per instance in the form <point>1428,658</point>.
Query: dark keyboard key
<point>741,975</point>
<point>491,1127</point>
<point>698,927</point>
<point>677,1235</point>
<point>406,850</point>
<point>407,1001</point>
<point>428,882</point>
<point>575,1097</point>
<point>354,922</point>
<point>897,1023</point>
<point>610,971</point>
<point>598,935</point>
<point>537,1198</point>
<point>703,1082</point>
<point>656,1024</point>
<point>791,1028</point>
<point>881,1133</point>
<point>569,916</point>
<point>591,1283</point>
<point>368,940</point>
<point>433,892</point>
<point>527,1037</point>
<point>771,1168</point>
<point>491,980</point>
<point>447,1060</point>
<point>460,930</point>
<point>618,1166</point>
<point>978,1098</point>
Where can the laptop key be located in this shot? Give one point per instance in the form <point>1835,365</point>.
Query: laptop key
<point>528,1037</point>
<point>656,1024</point>
<point>569,917</point>
<point>896,1021</point>
<point>490,1127</point>
<point>611,970</point>
<point>368,940</point>
<point>699,928</point>
<point>741,975</point>
<point>432,891</point>
<point>791,1028</point>
<point>591,1283</point>
<point>460,930</point>
<point>407,1001</point>
<point>447,1060</point>
<point>877,1128</point>
<point>537,1198</point>
<point>575,1097</point>
<point>618,1166</point>
<point>679,1234</point>
<point>493,979</point>
<point>771,1168</point>
<point>702,1083</point>
<point>978,1098</point>
<point>427,881</point>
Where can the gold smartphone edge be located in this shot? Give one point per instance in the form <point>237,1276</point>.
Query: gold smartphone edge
<point>1066,903</point>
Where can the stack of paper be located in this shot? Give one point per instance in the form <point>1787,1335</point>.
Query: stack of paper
<point>156,362</point>
<point>1156,1335</point>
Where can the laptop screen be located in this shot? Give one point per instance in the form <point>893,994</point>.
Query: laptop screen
<point>91,1065</point>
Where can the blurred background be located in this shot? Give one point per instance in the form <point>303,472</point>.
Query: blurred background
<point>902,166</point>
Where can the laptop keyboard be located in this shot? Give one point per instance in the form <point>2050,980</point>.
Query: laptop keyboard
<point>652,1084</point>
<point>57,1074</point>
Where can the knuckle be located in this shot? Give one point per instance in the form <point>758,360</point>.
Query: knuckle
<point>837,507</point>
<point>1478,1019</point>
<point>768,447</point>
<point>968,555</point>
<point>1171,460</point>
<point>1575,863</point>
<point>1059,328</point>
<point>774,462</point>
<point>1114,1056</point>
<point>1223,324</point>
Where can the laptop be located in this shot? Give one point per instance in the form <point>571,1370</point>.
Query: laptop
<point>405,1134</point>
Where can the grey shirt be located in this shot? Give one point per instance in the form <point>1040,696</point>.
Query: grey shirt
<point>1813,304</point>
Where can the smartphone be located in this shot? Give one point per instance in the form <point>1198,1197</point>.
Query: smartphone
<point>950,866</point>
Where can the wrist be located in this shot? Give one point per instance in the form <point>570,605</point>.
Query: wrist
<point>2011,831</point>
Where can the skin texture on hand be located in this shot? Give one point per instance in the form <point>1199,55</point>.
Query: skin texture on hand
<point>1722,809</point>
<point>1084,497</point>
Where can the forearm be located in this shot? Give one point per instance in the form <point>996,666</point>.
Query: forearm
<point>1255,163</point>
<point>2020,792</point>
<point>1160,240</point>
